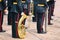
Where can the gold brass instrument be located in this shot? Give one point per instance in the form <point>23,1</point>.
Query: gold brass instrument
<point>21,27</point>
<point>32,8</point>
<point>0,0</point>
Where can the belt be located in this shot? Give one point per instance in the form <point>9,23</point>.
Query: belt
<point>23,1</point>
<point>14,2</point>
<point>0,0</point>
<point>41,5</point>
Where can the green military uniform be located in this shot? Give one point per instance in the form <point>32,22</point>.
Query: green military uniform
<point>41,6</point>
<point>16,10</point>
<point>52,7</point>
<point>2,8</point>
<point>25,6</point>
<point>50,10</point>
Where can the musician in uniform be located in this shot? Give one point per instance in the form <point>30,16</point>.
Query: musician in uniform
<point>16,11</point>
<point>41,6</point>
<point>50,10</point>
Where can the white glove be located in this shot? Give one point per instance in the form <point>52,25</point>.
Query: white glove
<point>22,13</point>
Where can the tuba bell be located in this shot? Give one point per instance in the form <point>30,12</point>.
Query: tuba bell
<point>21,27</point>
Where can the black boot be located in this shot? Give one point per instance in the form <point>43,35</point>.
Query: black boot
<point>50,24</point>
<point>3,31</point>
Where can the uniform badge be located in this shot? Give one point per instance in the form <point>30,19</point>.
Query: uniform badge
<point>14,2</point>
<point>23,1</point>
<point>40,4</point>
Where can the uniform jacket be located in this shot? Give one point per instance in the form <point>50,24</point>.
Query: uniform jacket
<point>40,9</point>
<point>50,2</point>
<point>10,2</point>
<point>2,5</point>
<point>25,7</point>
<point>17,8</point>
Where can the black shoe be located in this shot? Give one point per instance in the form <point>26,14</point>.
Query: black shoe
<point>52,15</point>
<point>50,24</point>
<point>9,24</point>
<point>51,19</point>
<point>40,31</point>
<point>14,37</point>
<point>3,31</point>
<point>34,20</point>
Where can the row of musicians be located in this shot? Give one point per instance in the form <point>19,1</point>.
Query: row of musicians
<point>16,7</point>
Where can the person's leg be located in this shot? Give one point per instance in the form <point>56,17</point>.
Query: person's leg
<point>13,25</point>
<point>1,22</point>
<point>16,22</point>
<point>40,19</point>
<point>52,13</point>
<point>34,18</point>
<point>15,17</point>
<point>9,16</point>
<point>49,16</point>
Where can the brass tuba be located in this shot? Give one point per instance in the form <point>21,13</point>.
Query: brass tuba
<point>21,27</point>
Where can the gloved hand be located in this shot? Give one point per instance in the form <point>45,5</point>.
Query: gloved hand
<point>22,13</point>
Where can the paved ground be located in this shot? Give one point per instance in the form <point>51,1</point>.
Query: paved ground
<point>53,31</point>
